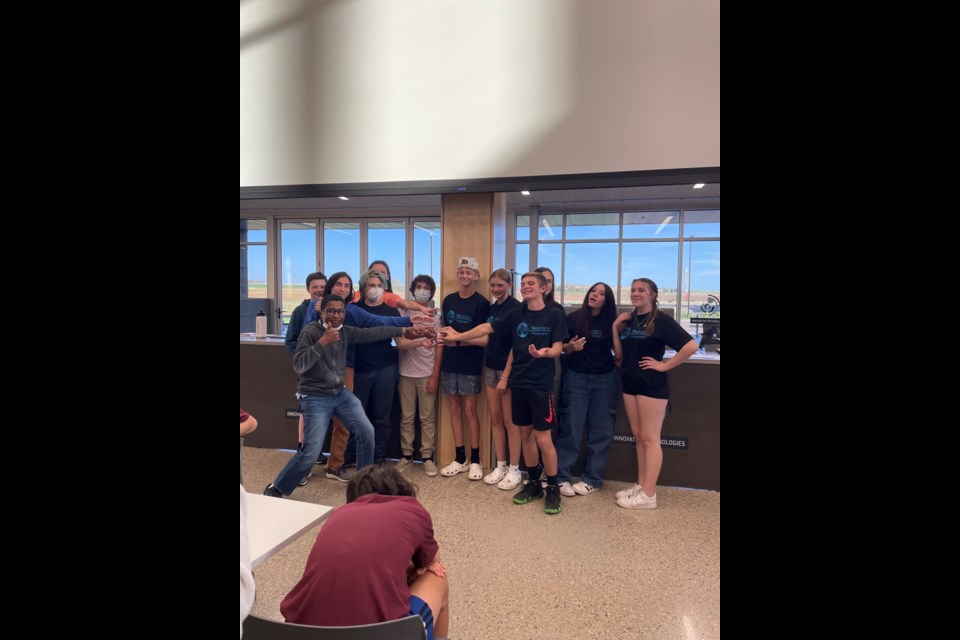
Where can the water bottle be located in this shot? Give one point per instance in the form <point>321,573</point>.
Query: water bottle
<point>261,324</point>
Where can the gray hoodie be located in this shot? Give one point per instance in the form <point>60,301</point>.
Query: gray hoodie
<point>321,369</point>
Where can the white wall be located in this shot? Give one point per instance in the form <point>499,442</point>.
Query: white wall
<point>354,91</point>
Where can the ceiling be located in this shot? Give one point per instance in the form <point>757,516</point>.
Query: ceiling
<point>585,199</point>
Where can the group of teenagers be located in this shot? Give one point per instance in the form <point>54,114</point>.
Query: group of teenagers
<point>507,346</point>
<point>349,370</point>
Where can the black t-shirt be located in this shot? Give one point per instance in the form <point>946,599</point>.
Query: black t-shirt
<point>539,328</point>
<point>597,356</point>
<point>498,348</point>
<point>464,314</point>
<point>373,356</point>
<point>637,344</point>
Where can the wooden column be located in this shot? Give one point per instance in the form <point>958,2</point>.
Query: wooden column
<point>468,230</point>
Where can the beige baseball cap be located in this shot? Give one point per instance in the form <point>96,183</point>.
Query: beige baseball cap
<point>469,262</point>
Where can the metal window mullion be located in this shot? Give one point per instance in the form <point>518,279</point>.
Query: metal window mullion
<point>319,242</point>
<point>364,241</point>
<point>620,259</point>
<point>563,259</point>
<point>408,267</point>
<point>532,261</point>
<point>274,272</point>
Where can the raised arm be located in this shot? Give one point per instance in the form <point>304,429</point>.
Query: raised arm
<point>451,334</point>
<point>373,334</point>
<point>476,342</point>
<point>364,319</point>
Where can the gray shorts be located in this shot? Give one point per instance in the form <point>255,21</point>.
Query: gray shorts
<point>459,384</point>
<point>491,376</point>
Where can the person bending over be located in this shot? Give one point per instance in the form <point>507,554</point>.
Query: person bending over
<point>354,576</point>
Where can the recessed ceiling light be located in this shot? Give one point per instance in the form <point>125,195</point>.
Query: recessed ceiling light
<point>343,197</point>
<point>699,185</point>
<point>524,193</point>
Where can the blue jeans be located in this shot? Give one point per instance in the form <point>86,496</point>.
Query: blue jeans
<point>586,398</point>
<point>317,411</point>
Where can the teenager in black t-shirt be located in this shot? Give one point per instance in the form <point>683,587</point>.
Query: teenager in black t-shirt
<point>639,340</point>
<point>589,391</point>
<point>461,364</point>
<point>498,394</point>
<point>536,333</point>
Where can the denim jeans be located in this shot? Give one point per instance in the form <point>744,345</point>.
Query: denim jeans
<point>586,398</point>
<point>317,411</point>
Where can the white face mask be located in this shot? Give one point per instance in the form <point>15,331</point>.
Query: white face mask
<point>422,295</point>
<point>374,294</point>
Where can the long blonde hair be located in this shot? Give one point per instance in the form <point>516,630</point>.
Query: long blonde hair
<point>651,320</point>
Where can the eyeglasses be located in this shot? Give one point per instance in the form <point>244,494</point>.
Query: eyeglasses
<point>336,312</point>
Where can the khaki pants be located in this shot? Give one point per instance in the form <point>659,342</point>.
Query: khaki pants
<point>412,389</point>
<point>340,435</point>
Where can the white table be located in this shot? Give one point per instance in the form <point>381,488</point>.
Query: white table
<point>273,523</point>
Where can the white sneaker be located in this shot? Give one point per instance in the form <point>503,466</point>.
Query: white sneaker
<point>306,479</point>
<point>584,489</point>
<point>496,475</point>
<point>566,489</point>
<point>629,492</point>
<point>476,471</point>
<point>430,467</point>
<point>453,469</point>
<point>510,481</point>
<point>403,464</point>
<point>638,501</point>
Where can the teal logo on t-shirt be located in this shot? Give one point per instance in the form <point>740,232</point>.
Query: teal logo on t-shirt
<point>523,329</point>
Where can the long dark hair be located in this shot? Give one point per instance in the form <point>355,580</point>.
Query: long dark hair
<point>608,312</point>
<point>327,290</point>
<point>388,285</point>
<point>548,298</point>
<point>651,319</point>
<point>382,479</point>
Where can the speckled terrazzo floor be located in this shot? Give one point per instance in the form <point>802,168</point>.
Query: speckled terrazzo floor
<point>593,571</point>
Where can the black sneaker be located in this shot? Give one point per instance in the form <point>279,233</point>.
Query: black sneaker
<point>552,504</point>
<point>342,474</point>
<point>272,491</point>
<point>530,491</point>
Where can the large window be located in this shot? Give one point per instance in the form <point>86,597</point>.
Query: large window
<point>253,258</point>
<point>426,249</point>
<point>678,249</point>
<point>700,283</point>
<point>341,249</point>
<point>387,242</point>
<point>299,258</point>
<point>411,246</point>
